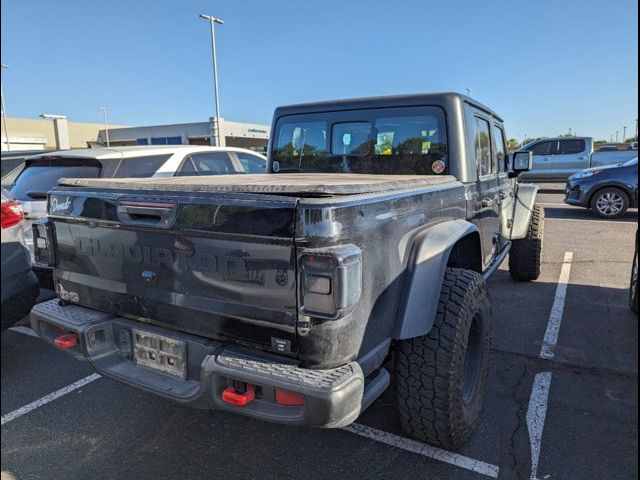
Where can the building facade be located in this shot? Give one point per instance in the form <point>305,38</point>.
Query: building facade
<point>233,134</point>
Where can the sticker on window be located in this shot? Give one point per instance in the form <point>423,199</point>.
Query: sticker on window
<point>275,166</point>
<point>438,166</point>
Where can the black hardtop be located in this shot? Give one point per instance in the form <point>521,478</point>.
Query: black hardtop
<point>444,100</point>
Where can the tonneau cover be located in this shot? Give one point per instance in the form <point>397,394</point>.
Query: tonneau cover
<point>303,184</point>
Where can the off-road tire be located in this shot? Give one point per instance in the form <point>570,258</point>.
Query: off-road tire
<point>525,258</point>
<point>617,195</point>
<point>437,402</point>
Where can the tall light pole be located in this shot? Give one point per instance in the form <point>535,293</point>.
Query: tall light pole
<point>617,135</point>
<point>624,133</point>
<point>212,23</point>
<point>468,92</point>
<point>106,127</point>
<point>4,113</point>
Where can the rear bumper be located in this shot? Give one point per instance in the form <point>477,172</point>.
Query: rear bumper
<point>332,398</point>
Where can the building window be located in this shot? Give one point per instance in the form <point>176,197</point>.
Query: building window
<point>166,141</point>
<point>142,141</point>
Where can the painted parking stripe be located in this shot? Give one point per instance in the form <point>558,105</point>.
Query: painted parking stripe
<point>610,222</point>
<point>424,450</point>
<point>536,414</point>
<point>555,318</point>
<point>49,398</point>
<point>362,430</point>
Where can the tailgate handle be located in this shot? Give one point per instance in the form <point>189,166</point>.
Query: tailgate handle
<point>146,213</point>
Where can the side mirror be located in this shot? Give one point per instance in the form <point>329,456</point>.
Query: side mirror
<point>522,162</point>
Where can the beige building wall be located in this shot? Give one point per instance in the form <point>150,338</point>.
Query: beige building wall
<point>39,134</point>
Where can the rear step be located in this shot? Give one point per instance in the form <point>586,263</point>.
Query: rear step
<point>229,377</point>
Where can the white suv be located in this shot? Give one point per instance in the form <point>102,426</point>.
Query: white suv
<point>42,172</point>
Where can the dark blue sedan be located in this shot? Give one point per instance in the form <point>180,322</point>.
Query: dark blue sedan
<point>608,190</point>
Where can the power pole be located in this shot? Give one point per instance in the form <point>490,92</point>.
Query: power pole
<point>106,127</point>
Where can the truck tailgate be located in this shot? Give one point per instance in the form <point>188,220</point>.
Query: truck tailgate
<point>217,267</point>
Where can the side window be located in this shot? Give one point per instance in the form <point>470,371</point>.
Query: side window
<point>139,167</point>
<point>187,169</point>
<point>500,154</point>
<point>252,163</point>
<point>573,146</point>
<point>483,147</point>
<point>212,163</point>
<point>545,148</point>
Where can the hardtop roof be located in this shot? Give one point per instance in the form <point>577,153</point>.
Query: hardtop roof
<point>437,99</point>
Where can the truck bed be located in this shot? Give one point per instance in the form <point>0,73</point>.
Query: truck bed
<point>298,184</point>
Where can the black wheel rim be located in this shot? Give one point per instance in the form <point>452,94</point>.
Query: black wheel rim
<point>472,361</point>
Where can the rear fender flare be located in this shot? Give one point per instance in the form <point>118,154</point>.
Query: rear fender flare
<point>424,275</point>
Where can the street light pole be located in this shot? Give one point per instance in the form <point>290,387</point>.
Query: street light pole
<point>106,128</point>
<point>617,135</point>
<point>4,114</point>
<point>212,22</point>
<point>468,92</point>
<point>624,133</point>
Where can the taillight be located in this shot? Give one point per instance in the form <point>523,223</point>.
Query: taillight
<point>12,214</point>
<point>330,280</point>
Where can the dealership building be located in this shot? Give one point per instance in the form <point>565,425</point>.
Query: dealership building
<point>232,134</point>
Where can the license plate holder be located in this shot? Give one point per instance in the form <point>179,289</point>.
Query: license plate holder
<point>160,352</point>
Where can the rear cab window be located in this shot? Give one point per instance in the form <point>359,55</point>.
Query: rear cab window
<point>401,141</point>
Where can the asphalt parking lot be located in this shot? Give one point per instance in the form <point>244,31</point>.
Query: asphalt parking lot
<point>561,401</point>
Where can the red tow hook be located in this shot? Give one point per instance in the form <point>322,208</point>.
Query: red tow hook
<point>67,340</point>
<point>232,397</point>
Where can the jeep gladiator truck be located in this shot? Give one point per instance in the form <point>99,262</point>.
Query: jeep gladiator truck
<point>289,296</point>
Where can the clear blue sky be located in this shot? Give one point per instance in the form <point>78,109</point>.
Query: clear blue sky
<point>545,65</point>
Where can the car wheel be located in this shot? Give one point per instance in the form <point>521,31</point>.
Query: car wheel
<point>610,203</point>
<point>440,377</point>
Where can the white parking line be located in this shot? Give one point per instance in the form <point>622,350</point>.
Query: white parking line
<point>604,222</point>
<point>380,436</point>
<point>424,450</point>
<point>555,318</point>
<point>49,398</point>
<point>536,415</point>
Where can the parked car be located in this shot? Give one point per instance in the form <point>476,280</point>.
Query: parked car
<point>42,172</point>
<point>556,159</point>
<point>608,190</point>
<point>633,283</point>
<point>282,296</point>
<point>19,283</point>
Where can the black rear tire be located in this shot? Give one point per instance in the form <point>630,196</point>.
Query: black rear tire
<point>441,376</point>
<point>525,258</point>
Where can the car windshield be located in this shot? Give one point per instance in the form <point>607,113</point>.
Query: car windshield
<point>410,141</point>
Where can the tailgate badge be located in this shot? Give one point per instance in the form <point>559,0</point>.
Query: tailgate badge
<point>148,278</point>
